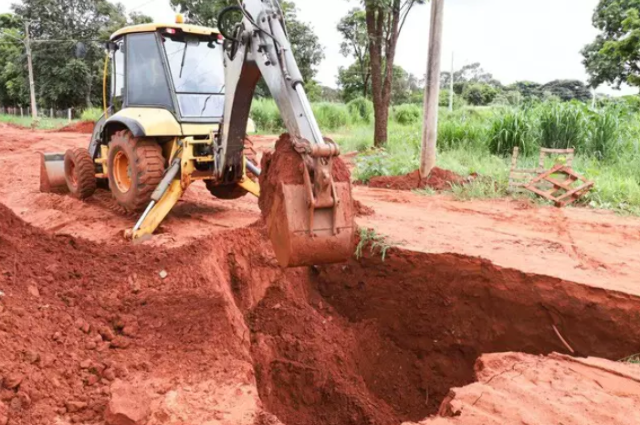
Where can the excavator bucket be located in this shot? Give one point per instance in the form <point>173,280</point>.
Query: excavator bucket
<point>304,236</point>
<point>52,173</point>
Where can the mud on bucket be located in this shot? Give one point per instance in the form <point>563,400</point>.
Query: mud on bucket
<point>295,243</point>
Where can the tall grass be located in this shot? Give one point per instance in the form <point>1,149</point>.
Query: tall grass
<point>515,128</point>
<point>563,125</point>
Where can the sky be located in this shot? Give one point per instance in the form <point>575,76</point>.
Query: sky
<point>512,39</point>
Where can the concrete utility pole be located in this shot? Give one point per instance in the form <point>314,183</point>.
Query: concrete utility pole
<point>32,84</point>
<point>432,91</point>
<point>451,85</point>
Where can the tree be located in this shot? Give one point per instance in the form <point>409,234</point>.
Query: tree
<point>614,56</point>
<point>353,28</point>
<point>305,43</point>
<point>479,94</point>
<point>14,88</point>
<point>472,73</point>
<point>568,90</point>
<point>385,20</point>
<point>351,84</point>
<point>68,70</point>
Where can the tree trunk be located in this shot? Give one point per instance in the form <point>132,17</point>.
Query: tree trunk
<point>381,116</point>
<point>375,27</point>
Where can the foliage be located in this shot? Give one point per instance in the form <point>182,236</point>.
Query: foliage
<point>305,44</point>
<point>614,56</point>
<point>68,72</point>
<point>563,126</point>
<point>567,90</point>
<point>353,28</point>
<point>369,237</point>
<point>331,116</point>
<point>407,114</point>
<point>479,94</point>
<point>385,20</point>
<point>91,114</point>
<point>512,129</point>
<point>42,123</point>
<point>361,109</point>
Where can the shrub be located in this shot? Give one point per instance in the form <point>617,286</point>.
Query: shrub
<point>91,114</point>
<point>361,110</point>
<point>407,114</point>
<point>266,116</point>
<point>331,116</point>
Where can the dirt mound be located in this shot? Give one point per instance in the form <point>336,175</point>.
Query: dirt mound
<point>75,317</point>
<point>591,391</point>
<point>439,179</point>
<point>362,210</point>
<point>284,165</point>
<point>84,127</point>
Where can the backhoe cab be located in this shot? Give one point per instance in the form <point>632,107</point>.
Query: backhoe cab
<point>176,108</point>
<point>164,98</point>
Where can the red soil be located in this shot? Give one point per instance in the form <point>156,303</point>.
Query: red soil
<point>84,127</point>
<point>439,179</point>
<point>533,389</point>
<point>362,210</point>
<point>284,166</point>
<point>86,326</point>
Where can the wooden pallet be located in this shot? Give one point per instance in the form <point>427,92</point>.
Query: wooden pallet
<point>561,193</point>
<point>520,178</point>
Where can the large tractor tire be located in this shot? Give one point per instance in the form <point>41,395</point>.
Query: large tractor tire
<point>80,173</point>
<point>136,167</point>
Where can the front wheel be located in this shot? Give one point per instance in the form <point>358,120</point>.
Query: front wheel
<point>136,167</point>
<point>80,173</point>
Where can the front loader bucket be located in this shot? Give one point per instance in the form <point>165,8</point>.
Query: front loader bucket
<point>52,173</point>
<point>295,243</point>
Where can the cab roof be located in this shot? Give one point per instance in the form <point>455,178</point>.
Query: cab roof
<point>187,28</point>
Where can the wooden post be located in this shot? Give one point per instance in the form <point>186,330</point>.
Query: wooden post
<point>51,112</point>
<point>32,84</point>
<point>69,114</point>
<point>21,113</point>
<point>432,91</point>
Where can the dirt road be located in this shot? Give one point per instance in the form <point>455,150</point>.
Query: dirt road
<point>88,324</point>
<point>582,245</point>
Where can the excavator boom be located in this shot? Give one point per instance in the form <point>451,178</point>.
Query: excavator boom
<point>310,219</point>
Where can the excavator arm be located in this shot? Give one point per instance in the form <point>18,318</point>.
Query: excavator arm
<point>310,223</point>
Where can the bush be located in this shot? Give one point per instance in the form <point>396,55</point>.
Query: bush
<point>266,116</point>
<point>456,132</point>
<point>511,129</point>
<point>361,110</point>
<point>91,114</point>
<point>479,94</point>
<point>331,116</point>
<point>407,114</point>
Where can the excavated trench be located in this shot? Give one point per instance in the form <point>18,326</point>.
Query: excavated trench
<point>366,342</point>
<point>382,342</point>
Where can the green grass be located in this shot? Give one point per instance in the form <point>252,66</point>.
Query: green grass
<point>609,154</point>
<point>369,238</point>
<point>42,123</point>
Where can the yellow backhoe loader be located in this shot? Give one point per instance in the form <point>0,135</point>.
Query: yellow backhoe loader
<point>177,99</point>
